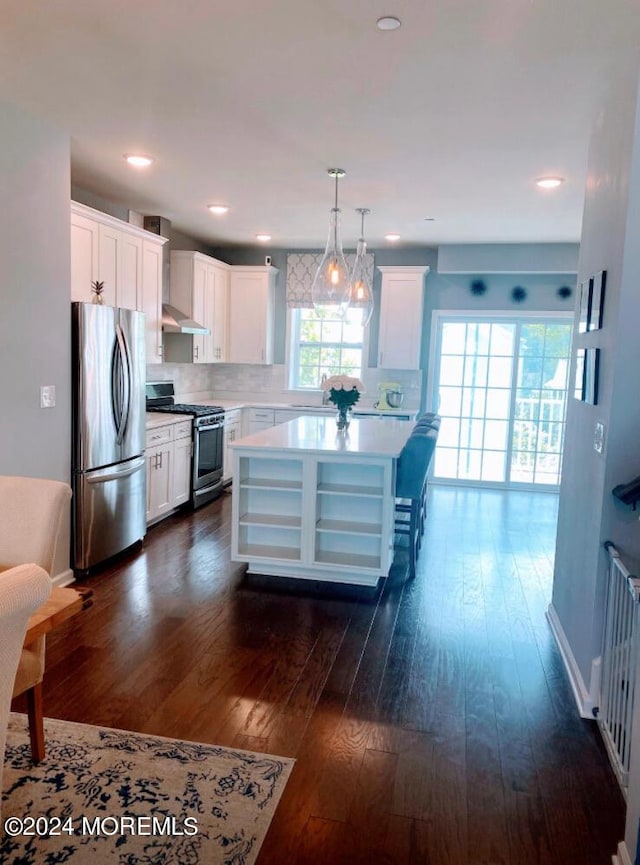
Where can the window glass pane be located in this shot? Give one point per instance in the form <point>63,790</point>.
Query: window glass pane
<point>451,370</point>
<point>525,436</point>
<point>450,401</point>
<point>495,434</point>
<point>500,372</point>
<point>532,339</point>
<point>331,331</point>
<point>352,358</point>
<point>502,339</point>
<point>352,333</point>
<point>310,331</point>
<point>453,338</point>
<point>475,371</point>
<point>522,466</point>
<point>558,378</point>
<point>449,434</point>
<point>530,372</point>
<point>550,438</point>
<point>308,376</point>
<point>478,336</point>
<point>527,404</point>
<point>309,356</point>
<point>498,402</point>
<point>493,464</point>
<point>474,400</point>
<point>446,462</point>
<point>557,341</point>
<point>469,465</point>
<point>471,433</point>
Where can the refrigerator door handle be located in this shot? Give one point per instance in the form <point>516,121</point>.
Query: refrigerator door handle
<point>127,376</point>
<point>131,469</point>
<point>120,385</point>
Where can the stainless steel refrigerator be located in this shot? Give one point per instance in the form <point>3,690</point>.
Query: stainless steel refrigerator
<point>109,466</point>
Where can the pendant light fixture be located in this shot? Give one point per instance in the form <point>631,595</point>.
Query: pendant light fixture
<point>361,291</point>
<point>331,287</point>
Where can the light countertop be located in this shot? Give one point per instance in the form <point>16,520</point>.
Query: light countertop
<point>365,437</point>
<point>157,419</point>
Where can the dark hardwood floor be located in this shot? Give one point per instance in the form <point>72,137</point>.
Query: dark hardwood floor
<point>431,722</point>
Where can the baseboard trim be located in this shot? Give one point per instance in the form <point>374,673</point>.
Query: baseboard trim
<point>585,701</point>
<point>622,856</point>
<point>64,578</point>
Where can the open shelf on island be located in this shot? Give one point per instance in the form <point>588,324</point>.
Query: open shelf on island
<point>275,521</point>
<point>266,551</point>
<point>270,484</point>
<point>350,490</point>
<point>349,527</point>
<point>352,560</point>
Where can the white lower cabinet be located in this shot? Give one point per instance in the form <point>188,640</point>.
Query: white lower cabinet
<point>169,454</point>
<point>232,432</point>
<point>260,418</point>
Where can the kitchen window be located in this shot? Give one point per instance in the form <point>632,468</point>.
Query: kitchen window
<point>324,344</point>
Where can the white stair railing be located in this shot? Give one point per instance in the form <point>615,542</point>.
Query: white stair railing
<point>619,661</point>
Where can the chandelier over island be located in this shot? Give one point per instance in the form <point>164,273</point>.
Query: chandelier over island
<point>331,288</point>
<point>361,291</point>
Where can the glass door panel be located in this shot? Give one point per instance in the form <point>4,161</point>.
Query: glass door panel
<point>502,389</point>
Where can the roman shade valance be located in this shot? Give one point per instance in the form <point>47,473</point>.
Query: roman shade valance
<point>301,270</point>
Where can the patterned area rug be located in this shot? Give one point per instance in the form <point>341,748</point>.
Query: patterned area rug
<point>108,796</point>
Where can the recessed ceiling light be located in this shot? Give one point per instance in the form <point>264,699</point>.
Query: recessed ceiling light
<point>263,238</point>
<point>549,182</point>
<point>392,237</point>
<point>138,160</point>
<point>388,22</point>
<point>218,208</point>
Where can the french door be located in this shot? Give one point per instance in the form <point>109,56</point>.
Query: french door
<point>500,385</point>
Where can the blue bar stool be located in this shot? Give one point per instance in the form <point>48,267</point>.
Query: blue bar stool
<point>411,489</point>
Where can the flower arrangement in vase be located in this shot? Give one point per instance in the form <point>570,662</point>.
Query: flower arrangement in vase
<point>344,393</point>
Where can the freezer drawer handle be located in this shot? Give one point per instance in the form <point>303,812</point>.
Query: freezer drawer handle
<point>114,476</point>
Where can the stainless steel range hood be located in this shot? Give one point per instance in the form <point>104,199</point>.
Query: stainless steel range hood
<point>173,320</point>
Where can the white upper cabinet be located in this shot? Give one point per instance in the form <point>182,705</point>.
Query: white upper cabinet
<point>127,259</point>
<point>401,305</point>
<point>199,288</point>
<point>218,292</point>
<point>251,309</point>
<point>85,237</point>
<point>152,298</point>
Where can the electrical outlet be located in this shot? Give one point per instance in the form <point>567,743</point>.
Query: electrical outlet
<point>598,437</point>
<point>47,396</point>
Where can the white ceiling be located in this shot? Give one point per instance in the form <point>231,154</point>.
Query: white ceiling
<point>453,116</point>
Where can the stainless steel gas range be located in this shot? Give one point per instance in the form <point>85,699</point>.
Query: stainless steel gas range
<point>208,439</point>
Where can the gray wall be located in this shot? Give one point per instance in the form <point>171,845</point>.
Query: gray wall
<point>35,343</point>
<point>588,513</point>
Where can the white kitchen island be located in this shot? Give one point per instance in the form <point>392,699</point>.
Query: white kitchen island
<point>313,503</point>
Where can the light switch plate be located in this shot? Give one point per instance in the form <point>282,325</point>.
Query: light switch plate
<point>47,396</point>
<point>598,437</point>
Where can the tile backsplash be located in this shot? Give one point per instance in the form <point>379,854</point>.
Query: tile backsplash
<point>267,383</point>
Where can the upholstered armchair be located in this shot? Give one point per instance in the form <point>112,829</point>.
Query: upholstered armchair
<point>22,590</point>
<point>31,511</point>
